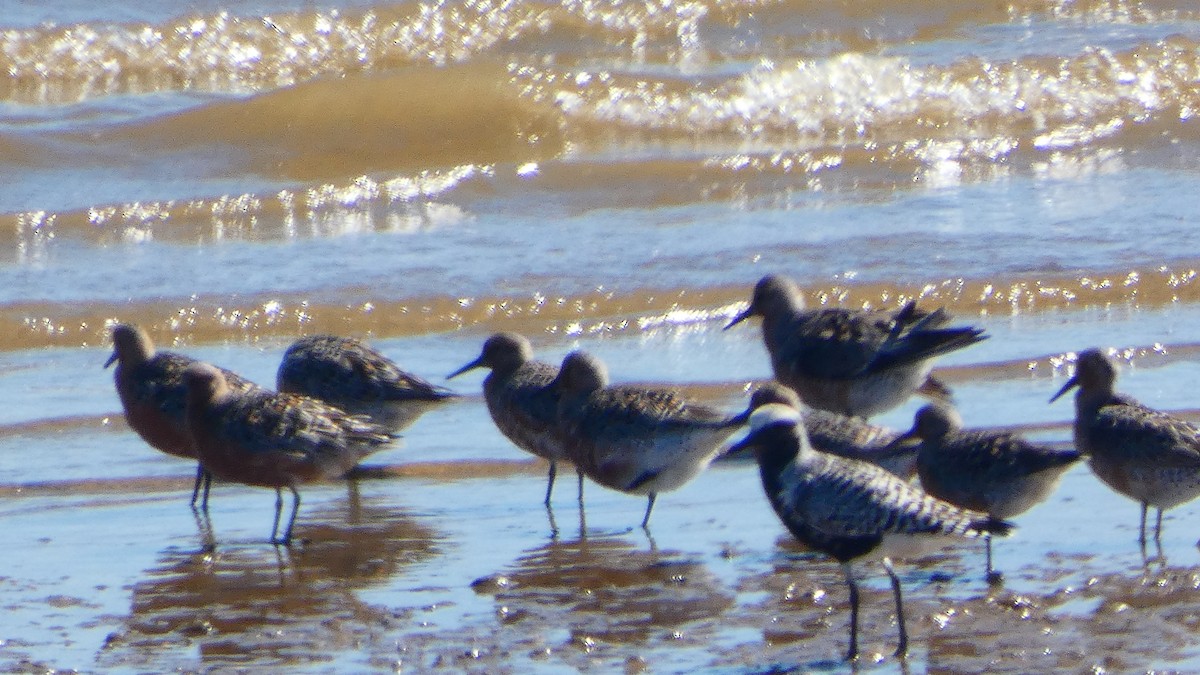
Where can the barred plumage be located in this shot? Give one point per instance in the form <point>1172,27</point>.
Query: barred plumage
<point>847,508</point>
<point>852,362</point>
<point>350,374</point>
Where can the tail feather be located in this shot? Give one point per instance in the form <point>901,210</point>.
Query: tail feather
<point>921,345</point>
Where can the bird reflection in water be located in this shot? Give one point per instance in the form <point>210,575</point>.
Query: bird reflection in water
<point>262,605</point>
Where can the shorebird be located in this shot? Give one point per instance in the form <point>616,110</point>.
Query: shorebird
<point>150,385</point>
<point>634,439</point>
<point>270,439</point>
<point>844,436</point>
<point>350,374</point>
<point>999,474</point>
<point>521,400</point>
<point>1146,455</point>
<point>852,362</point>
<point>849,509</point>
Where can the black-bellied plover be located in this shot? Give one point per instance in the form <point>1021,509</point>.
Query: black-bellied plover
<point>852,362</point>
<point>1144,454</point>
<point>636,440</point>
<point>521,400</point>
<point>849,509</point>
<point>352,375</point>
<point>842,435</point>
<point>274,440</point>
<point>1000,474</point>
<point>150,385</point>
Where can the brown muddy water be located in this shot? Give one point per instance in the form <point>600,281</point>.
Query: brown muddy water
<point>606,176</point>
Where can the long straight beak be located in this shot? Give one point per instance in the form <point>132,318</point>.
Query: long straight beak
<point>1071,383</point>
<point>749,312</point>
<point>477,363</point>
<point>111,360</point>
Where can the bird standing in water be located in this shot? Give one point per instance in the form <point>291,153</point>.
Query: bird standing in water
<point>849,509</point>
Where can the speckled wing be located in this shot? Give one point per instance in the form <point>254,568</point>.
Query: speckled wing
<point>993,457</point>
<point>846,498</point>
<point>1146,436</point>
<point>844,435</point>
<point>159,382</point>
<point>268,422</point>
<point>343,369</point>
<point>630,412</point>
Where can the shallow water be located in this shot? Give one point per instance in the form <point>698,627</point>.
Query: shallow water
<point>612,177</point>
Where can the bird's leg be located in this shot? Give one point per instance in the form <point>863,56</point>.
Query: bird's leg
<point>550,483</point>
<point>852,653</point>
<point>649,507</point>
<point>902,649</point>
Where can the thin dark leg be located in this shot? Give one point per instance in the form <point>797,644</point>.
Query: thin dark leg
<point>207,487</point>
<point>287,534</point>
<point>902,649</point>
<point>992,576</point>
<point>203,478</point>
<point>1158,528</point>
<point>550,483</point>
<point>580,474</point>
<point>278,510</point>
<point>649,508</point>
<point>852,653</point>
<point>1142,526</point>
<point>199,480</point>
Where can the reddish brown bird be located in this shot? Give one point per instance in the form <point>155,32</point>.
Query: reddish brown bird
<point>150,384</point>
<point>273,440</point>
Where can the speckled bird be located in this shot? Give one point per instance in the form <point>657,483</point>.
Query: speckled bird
<point>269,439</point>
<point>150,386</point>
<point>849,509</point>
<point>1146,455</point>
<point>852,362</point>
<point>1000,474</point>
<point>352,375</point>
<point>636,440</point>
<point>521,400</point>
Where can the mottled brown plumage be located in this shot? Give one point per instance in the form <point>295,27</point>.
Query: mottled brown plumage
<point>634,439</point>
<point>350,374</point>
<point>270,439</point>
<point>852,362</point>
<point>150,386</point>
<point>521,400</point>
<point>845,508</point>
<point>1146,455</point>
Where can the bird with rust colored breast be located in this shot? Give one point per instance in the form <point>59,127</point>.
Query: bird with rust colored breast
<point>269,439</point>
<point>150,386</point>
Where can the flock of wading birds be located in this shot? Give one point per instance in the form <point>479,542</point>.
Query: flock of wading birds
<point>841,485</point>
